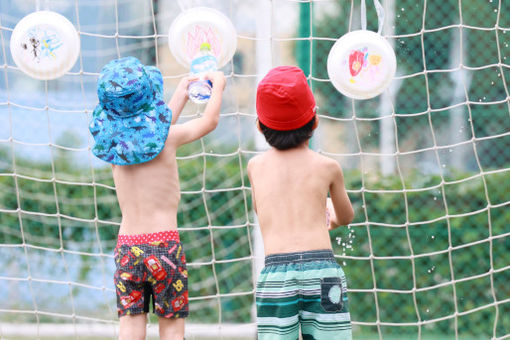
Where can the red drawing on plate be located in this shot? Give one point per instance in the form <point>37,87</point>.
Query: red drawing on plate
<point>356,62</point>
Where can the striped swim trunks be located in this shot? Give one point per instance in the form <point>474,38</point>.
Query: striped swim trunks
<point>307,290</point>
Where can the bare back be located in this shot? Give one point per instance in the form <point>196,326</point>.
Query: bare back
<point>290,189</point>
<point>149,193</point>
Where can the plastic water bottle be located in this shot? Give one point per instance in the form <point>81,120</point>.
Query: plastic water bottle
<point>200,91</point>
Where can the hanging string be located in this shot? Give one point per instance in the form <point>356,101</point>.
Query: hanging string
<point>184,5</point>
<point>363,15</point>
<point>380,15</point>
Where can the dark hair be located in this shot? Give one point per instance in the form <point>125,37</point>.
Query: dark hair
<point>284,140</point>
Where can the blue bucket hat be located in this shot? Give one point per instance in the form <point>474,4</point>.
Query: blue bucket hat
<point>130,124</point>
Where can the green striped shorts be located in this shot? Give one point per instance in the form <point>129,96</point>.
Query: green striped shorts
<point>307,290</point>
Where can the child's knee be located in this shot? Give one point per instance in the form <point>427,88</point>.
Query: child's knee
<point>171,329</point>
<point>133,327</point>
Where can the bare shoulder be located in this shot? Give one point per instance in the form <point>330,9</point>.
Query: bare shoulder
<point>328,164</point>
<point>324,160</point>
<point>254,162</point>
<point>174,135</point>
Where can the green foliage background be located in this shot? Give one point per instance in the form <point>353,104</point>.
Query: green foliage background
<point>410,290</point>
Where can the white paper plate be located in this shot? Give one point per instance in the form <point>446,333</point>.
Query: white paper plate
<point>361,64</point>
<point>198,25</point>
<point>45,45</point>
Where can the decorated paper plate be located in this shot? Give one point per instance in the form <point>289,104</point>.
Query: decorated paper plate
<point>361,64</point>
<point>45,45</point>
<point>199,25</point>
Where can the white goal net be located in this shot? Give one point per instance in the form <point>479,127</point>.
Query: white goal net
<point>427,167</point>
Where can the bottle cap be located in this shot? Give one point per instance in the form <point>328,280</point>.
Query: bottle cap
<point>205,46</point>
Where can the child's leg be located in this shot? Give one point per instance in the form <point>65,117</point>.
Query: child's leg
<point>132,327</point>
<point>171,329</point>
<point>277,303</point>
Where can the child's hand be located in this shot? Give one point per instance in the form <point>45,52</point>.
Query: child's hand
<point>330,215</point>
<point>217,78</point>
<point>182,87</point>
<point>180,97</point>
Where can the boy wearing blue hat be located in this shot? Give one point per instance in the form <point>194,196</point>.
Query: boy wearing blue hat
<point>134,130</point>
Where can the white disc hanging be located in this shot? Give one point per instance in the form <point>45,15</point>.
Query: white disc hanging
<point>45,45</point>
<point>198,25</point>
<point>361,64</point>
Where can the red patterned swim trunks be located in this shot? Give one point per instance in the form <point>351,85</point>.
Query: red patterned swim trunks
<point>151,266</point>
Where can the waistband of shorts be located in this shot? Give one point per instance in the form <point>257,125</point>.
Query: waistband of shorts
<point>299,257</point>
<point>162,236</point>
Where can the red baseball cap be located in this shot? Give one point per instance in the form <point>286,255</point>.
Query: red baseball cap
<point>284,99</point>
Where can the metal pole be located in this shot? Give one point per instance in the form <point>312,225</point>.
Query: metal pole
<point>263,62</point>
<point>386,125</point>
<point>303,46</point>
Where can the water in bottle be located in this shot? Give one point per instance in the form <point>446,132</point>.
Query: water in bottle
<point>200,91</point>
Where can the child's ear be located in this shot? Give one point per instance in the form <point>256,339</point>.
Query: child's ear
<point>258,126</point>
<point>316,122</point>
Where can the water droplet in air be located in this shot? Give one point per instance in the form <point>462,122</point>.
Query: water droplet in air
<point>427,310</point>
<point>403,9</point>
<point>435,198</point>
<point>433,237</point>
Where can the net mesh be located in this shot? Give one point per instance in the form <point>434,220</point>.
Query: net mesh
<point>427,167</point>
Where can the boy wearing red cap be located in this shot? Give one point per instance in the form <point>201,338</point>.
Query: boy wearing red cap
<point>301,284</point>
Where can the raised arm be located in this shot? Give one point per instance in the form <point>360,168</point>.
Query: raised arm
<point>339,205</point>
<point>199,127</point>
<point>179,98</point>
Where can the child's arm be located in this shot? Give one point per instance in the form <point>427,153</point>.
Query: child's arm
<point>199,127</point>
<point>251,163</point>
<point>180,97</point>
<point>339,206</point>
